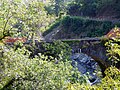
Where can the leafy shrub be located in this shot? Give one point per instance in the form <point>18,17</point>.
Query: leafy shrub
<point>20,72</point>
<point>108,82</point>
<point>23,20</point>
<point>58,50</point>
<point>113,47</point>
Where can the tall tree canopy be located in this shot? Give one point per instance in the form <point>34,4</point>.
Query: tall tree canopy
<point>22,19</point>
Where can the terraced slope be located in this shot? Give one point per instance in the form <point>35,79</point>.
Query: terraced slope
<point>81,27</point>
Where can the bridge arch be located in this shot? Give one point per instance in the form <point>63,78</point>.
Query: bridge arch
<point>103,65</point>
<point>94,49</point>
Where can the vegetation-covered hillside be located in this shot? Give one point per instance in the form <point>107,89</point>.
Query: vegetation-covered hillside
<point>95,8</point>
<point>80,27</point>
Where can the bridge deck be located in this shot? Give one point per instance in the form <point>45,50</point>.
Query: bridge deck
<point>81,39</point>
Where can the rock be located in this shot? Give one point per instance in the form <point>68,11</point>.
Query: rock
<point>75,56</point>
<point>81,68</point>
<point>85,65</point>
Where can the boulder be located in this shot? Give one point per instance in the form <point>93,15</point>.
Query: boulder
<point>86,65</point>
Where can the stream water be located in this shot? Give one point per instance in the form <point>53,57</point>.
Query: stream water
<point>87,66</point>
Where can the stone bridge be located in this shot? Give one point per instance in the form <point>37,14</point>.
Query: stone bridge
<point>93,47</point>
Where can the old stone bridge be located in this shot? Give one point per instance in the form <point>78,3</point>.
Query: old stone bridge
<point>93,47</point>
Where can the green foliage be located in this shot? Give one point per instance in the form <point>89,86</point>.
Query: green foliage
<point>83,7</point>
<point>91,8</point>
<point>19,72</point>
<point>110,82</point>
<point>7,19</point>
<point>57,7</point>
<point>113,50</point>
<point>19,19</point>
<point>57,49</point>
<point>93,28</point>
<point>83,27</point>
<point>112,79</point>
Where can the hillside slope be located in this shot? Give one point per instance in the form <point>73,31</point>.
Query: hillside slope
<point>78,27</point>
<point>109,9</point>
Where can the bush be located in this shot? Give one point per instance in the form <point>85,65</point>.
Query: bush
<point>58,50</point>
<point>20,72</point>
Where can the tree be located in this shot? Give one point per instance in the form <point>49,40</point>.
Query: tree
<point>57,7</point>
<point>18,71</point>
<point>89,8</point>
<point>58,50</point>
<point>114,51</point>
<point>20,19</point>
